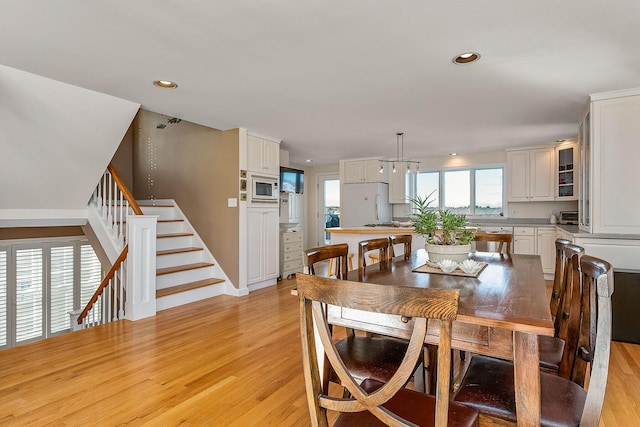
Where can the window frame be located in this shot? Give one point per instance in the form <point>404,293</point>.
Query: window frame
<point>472,181</point>
<point>10,247</point>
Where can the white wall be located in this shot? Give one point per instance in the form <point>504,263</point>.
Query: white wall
<point>56,141</point>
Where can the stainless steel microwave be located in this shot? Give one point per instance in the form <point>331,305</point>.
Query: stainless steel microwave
<point>264,189</point>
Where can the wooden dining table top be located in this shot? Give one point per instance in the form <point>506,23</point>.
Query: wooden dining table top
<point>510,292</point>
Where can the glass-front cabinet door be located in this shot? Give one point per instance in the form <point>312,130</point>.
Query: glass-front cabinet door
<point>567,172</point>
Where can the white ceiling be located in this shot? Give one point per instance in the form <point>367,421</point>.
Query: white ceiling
<point>337,79</point>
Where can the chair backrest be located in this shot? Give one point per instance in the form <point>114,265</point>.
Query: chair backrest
<point>567,322</point>
<point>415,303</point>
<point>504,240</point>
<point>322,253</point>
<point>558,276</point>
<point>404,239</point>
<point>595,337</point>
<point>381,244</point>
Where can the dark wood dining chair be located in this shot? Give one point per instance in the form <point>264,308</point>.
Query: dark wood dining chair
<point>557,352</point>
<point>371,402</point>
<point>489,387</point>
<point>558,276</point>
<point>381,245</point>
<point>503,239</point>
<point>365,356</point>
<point>339,252</point>
<point>402,239</point>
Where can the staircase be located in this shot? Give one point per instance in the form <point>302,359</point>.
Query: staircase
<point>185,270</point>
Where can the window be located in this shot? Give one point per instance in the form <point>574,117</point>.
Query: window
<point>473,191</point>
<point>41,281</point>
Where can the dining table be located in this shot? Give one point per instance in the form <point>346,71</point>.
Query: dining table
<point>501,313</point>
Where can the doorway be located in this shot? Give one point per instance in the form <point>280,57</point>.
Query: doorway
<point>328,205</point>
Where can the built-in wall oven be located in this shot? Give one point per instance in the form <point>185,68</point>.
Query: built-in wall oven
<point>264,190</point>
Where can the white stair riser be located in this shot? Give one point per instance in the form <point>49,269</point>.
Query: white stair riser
<point>182,277</point>
<point>162,212</point>
<point>170,227</point>
<point>187,297</point>
<point>182,258</point>
<point>166,243</point>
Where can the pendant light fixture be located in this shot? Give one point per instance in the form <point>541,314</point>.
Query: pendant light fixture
<point>400,157</point>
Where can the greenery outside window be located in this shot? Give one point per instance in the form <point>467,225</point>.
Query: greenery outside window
<point>470,191</point>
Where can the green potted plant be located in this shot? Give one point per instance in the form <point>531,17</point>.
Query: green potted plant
<point>446,233</point>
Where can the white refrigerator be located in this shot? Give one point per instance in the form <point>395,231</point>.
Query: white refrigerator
<point>366,203</point>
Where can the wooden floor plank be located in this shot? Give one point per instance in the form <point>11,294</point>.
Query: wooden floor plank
<point>225,361</point>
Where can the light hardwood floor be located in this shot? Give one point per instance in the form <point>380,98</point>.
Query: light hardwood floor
<point>221,362</point>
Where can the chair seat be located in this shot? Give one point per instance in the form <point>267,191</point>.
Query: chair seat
<point>419,408</point>
<point>488,386</point>
<point>551,349</point>
<point>372,357</point>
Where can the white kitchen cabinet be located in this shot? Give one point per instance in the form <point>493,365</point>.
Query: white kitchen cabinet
<point>524,240</point>
<point>546,248</point>
<point>292,209</point>
<point>358,171</point>
<point>290,253</point>
<point>567,172</point>
<point>530,175</point>
<point>262,254</point>
<point>263,155</point>
<point>537,241</point>
<point>611,201</point>
<point>400,186</point>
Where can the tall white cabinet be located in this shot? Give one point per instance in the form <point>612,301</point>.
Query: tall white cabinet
<point>262,256</point>
<point>259,224</point>
<point>610,191</point>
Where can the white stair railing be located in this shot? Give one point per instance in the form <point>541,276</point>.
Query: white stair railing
<point>113,202</point>
<point>107,304</point>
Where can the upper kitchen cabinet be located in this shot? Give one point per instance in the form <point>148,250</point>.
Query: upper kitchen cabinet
<point>263,155</point>
<point>530,175</point>
<point>567,172</point>
<point>400,186</point>
<point>611,131</point>
<point>365,170</point>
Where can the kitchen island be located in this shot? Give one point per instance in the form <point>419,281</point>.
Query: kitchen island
<point>353,235</point>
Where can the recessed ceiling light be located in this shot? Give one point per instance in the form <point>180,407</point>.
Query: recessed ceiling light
<point>167,84</point>
<point>308,160</point>
<point>453,154</point>
<point>560,140</point>
<point>467,57</point>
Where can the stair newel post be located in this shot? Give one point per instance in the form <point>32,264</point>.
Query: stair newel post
<point>141,266</point>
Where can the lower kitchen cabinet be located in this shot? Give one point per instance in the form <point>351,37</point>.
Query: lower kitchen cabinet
<point>536,241</point>
<point>262,254</point>
<point>524,240</point>
<point>290,253</point>
<point>546,248</point>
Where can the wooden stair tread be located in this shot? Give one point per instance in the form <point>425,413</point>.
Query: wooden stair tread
<point>178,251</point>
<point>164,236</point>
<point>187,287</point>
<point>179,268</point>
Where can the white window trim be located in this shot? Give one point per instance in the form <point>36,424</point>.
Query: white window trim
<point>11,246</point>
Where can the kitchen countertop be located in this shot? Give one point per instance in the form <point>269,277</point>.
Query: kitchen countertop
<point>572,229</point>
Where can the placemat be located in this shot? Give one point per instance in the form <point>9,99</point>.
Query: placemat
<point>427,268</point>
